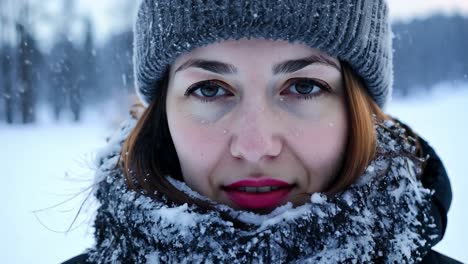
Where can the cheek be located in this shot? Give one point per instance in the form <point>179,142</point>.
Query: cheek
<point>324,144</point>
<point>198,147</point>
<point>321,146</point>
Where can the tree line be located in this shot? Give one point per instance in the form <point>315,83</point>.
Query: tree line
<point>68,76</point>
<point>72,76</point>
<point>429,51</point>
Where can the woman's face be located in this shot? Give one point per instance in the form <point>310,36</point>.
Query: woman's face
<point>257,123</point>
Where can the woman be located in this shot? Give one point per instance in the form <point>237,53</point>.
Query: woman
<point>263,141</point>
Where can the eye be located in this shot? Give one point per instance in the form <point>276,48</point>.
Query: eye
<point>208,90</point>
<point>305,88</point>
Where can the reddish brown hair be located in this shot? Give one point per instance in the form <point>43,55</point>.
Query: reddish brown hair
<point>361,135</point>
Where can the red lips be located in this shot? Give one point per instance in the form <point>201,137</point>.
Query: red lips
<point>262,193</point>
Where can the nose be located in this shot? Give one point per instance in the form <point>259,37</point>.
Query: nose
<point>256,136</point>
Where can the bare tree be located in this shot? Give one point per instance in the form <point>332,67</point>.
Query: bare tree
<point>6,91</point>
<point>66,76</point>
<point>26,57</point>
<point>5,62</point>
<point>27,50</point>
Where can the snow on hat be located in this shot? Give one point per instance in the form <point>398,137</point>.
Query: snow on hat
<point>355,31</point>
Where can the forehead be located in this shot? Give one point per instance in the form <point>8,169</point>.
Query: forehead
<point>246,51</point>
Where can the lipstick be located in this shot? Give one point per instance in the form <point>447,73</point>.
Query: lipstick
<point>263,193</point>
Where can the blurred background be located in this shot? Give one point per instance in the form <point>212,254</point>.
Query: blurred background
<point>66,82</point>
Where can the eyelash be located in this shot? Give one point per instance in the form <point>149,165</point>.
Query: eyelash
<point>324,87</point>
<point>211,83</point>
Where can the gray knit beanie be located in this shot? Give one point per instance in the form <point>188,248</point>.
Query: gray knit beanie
<point>355,31</point>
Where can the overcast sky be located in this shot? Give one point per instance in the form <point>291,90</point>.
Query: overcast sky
<point>407,9</point>
<point>111,16</point>
<point>103,11</point>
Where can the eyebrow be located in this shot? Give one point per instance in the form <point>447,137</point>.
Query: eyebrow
<point>288,66</point>
<point>291,66</point>
<point>213,66</point>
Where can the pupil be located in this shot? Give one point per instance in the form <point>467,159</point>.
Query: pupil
<point>304,88</point>
<point>209,91</point>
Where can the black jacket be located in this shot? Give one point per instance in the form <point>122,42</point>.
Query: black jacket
<point>432,258</point>
<point>434,177</point>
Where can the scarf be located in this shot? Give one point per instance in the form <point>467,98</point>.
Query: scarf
<point>384,217</point>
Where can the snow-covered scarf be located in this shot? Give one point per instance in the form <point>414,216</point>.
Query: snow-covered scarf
<point>383,217</point>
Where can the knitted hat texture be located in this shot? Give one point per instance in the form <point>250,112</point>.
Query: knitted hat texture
<point>355,31</point>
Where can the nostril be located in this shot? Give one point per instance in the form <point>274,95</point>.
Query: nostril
<point>255,154</point>
<point>238,156</point>
<point>235,151</point>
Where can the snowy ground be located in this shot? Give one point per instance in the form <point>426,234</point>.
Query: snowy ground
<point>441,117</point>
<point>46,164</point>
